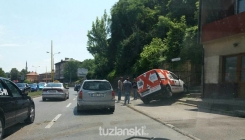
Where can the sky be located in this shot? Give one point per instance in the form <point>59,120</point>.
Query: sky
<point>27,28</point>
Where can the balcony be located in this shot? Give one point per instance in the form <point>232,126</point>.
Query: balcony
<point>228,26</point>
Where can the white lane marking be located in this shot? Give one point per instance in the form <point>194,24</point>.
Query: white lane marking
<point>74,99</point>
<point>68,105</point>
<point>53,121</point>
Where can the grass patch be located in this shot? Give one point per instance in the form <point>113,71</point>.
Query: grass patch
<point>35,94</point>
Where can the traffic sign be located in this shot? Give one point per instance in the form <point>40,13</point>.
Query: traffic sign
<point>176,59</point>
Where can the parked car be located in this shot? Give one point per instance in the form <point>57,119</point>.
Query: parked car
<point>77,87</point>
<point>96,94</point>
<point>34,87</point>
<point>157,83</point>
<point>15,105</point>
<point>41,85</point>
<point>24,86</point>
<point>55,91</point>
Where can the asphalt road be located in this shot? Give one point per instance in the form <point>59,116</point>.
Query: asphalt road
<point>60,120</point>
<point>198,122</point>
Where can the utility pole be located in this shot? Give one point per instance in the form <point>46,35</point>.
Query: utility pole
<point>52,66</point>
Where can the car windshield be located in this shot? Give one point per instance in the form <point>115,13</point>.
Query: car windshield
<point>96,85</point>
<point>54,85</point>
<point>20,84</point>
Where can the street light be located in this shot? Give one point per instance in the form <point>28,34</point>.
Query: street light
<point>35,68</point>
<point>52,60</point>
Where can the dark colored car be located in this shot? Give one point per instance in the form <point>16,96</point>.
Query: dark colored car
<point>77,87</point>
<point>34,87</point>
<point>14,101</point>
<point>23,86</point>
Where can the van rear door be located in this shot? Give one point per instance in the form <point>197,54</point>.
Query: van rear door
<point>148,83</point>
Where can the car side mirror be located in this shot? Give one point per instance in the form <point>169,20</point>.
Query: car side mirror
<point>25,92</point>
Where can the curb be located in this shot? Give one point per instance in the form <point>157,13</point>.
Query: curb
<point>223,112</point>
<point>168,125</point>
<point>184,103</point>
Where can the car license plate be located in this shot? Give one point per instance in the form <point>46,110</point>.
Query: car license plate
<point>97,95</point>
<point>52,91</point>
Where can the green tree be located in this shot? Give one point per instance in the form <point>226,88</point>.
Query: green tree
<point>151,56</point>
<point>191,49</point>
<point>2,73</point>
<point>98,42</point>
<point>98,36</point>
<point>88,64</point>
<point>23,72</point>
<point>70,70</point>
<point>15,74</point>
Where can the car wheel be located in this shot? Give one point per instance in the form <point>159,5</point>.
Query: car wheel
<point>31,115</point>
<point>185,89</point>
<point>112,109</point>
<point>68,96</point>
<point>78,108</point>
<point>1,128</point>
<point>44,99</point>
<point>146,101</point>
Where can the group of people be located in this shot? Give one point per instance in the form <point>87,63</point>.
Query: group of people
<point>126,86</point>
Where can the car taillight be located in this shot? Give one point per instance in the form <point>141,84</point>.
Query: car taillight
<point>80,95</point>
<point>59,90</point>
<point>113,94</point>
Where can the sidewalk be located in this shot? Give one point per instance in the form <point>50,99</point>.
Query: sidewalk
<point>234,107</point>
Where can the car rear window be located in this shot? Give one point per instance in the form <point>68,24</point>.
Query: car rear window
<point>54,85</point>
<point>96,85</point>
<point>20,84</point>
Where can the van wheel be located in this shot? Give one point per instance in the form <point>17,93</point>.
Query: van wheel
<point>146,101</point>
<point>185,89</point>
<point>1,128</point>
<point>169,92</point>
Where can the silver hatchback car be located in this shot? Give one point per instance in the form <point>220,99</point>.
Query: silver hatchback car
<point>55,90</point>
<point>96,94</point>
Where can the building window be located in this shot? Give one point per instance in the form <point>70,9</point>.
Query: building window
<point>230,68</point>
<point>240,6</point>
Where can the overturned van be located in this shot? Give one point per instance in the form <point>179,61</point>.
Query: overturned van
<point>158,83</point>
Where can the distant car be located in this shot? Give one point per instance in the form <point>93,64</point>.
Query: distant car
<point>15,105</point>
<point>34,87</point>
<point>55,91</point>
<point>24,86</point>
<point>41,85</point>
<point>77,87</point>
<point>96,94</point>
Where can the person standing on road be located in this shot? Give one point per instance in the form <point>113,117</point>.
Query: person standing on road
<point>119,87</point>
<point>127,86</point>
<point>134,84</point>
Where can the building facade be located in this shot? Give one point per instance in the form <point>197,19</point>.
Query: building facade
<point>45,77</point>
<point>32,77</point>
<point>223,39</point>
<point>59,69</point>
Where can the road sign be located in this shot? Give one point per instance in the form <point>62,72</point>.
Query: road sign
<point>82,72</point>
<point>176,59</point>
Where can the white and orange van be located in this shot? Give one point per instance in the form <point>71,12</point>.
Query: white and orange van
<point>158,83</point>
